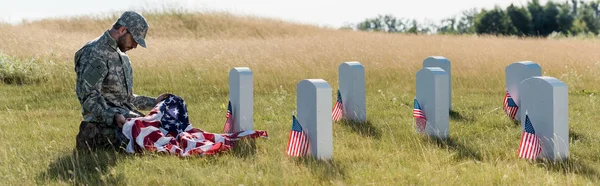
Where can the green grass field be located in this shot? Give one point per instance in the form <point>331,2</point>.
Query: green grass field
<point>191,54</point>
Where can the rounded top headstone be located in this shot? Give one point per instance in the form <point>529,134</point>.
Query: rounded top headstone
<point>515,73</point>
<point>543,80</point>
<point>433,71</point>
<point>241,70</point>
<point>530,65</point>
<point>314,83</point>
<point>352,64</point>
<point>545,103</point>
<point>435,59</point>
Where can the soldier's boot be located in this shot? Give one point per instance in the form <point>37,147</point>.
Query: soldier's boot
<point>87,137</point>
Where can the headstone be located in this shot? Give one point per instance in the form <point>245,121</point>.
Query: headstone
<point>432,95</point>
<point>241,95</point>
<point>517,72</point>
<point>545,99</point>
<point>313,104</point>
<point>352,89</point>
<point>442,62</point>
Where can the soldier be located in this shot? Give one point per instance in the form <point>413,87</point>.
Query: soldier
<point>105,83</point>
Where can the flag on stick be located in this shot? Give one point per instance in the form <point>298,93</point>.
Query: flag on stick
<point>336,113</point>
<point>299,142</point>
<point>530,147</point>
<point>228,128</point>
<point>420,118</point>
<point>510,107</point>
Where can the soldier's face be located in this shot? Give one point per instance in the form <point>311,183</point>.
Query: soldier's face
<point>126,42</point>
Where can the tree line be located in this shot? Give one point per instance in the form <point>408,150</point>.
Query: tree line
<point>570,18</point>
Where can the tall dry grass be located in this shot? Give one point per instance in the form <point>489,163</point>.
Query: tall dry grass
<point>190,54</point>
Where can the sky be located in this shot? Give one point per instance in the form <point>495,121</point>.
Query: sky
<point>329,13</point>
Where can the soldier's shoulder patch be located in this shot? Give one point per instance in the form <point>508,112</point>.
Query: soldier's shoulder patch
<point>95,72</point>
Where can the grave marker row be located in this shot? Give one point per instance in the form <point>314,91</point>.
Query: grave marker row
<point>544,99</point>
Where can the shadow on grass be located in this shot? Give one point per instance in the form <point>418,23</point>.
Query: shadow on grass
<point>515,122</point>
<point>362,128</point>
<point>456,116</point>
<point>463,152</point>
<point>84,168</point>
<point>574,136</point>
<point>322,169</point>
<point>244,148</point>
<point>570,166</point>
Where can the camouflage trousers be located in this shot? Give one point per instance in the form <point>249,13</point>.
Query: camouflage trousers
<point>94,136</point>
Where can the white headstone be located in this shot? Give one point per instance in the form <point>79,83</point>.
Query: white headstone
<point>313,104</point>
<point>352,89</point>
<point>517,72</point>
<point>241,95</point>
<point>545,99</point>
<point>442,62</point>
<point>432,95</point>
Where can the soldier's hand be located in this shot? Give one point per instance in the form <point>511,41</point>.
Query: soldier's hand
<point>162,97</point>
<point>120,120</point>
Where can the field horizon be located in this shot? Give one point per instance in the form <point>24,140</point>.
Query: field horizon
<point>190,55</point>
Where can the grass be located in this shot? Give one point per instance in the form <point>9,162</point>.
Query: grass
<point>40,121</point>
<point>14,71</point>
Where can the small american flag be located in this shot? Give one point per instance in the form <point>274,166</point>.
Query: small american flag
<point>510,107</point>
<point>299,142</point>
<point>228,128</point>
<point>419,115</point>
<point>336,113</point>
<point>530,147</point>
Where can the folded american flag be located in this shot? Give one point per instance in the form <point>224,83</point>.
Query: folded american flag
<point>167,129</point>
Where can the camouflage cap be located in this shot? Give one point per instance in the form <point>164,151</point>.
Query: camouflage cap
<point>136,24</point>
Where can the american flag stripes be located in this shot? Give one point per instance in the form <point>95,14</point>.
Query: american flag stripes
<point>420,118</point>
<point>510,107</point>
<point>336,113</point>
<point>228,128</point>
<point>298,143</point>
<point>530,147</point>
<point>155,133</point>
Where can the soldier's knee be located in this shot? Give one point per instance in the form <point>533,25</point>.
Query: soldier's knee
<point>99,136</point>
<point>86,138</point>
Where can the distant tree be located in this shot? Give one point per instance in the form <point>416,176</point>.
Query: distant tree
<point>495,22</point>
<point>428,27</point>
<point>389,22</point>
<point>574,8</point>
<point>579,27</point>
<point>537,17</point>
<point>594,6</point>
<point>448,26</point>
<point>382,23</point>
<point>466,24</point>
<point>588,15</point>
<point>370,24</point>
<point>365,25</point>
<point>569,17</point>
<point>520,19</point>
<point>348,26</point>
<point>565,19</point>
<point>550,21</point>
<point>414,29</point>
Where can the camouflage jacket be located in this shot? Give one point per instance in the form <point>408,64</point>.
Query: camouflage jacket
<point>105,82</point>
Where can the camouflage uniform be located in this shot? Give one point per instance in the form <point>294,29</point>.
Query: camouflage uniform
<point>105,86</point>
